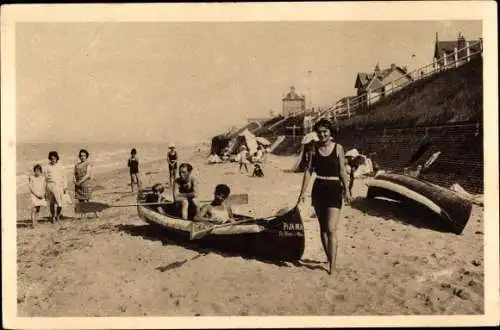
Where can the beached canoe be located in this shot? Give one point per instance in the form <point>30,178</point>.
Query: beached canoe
<point>450,206</point>
<point>279,237</point>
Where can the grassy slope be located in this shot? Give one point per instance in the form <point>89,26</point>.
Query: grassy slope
<point>452,96</point>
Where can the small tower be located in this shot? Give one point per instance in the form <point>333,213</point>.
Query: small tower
<point>377,70</point>
<point>293,103</point>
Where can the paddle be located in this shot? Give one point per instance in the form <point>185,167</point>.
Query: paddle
<point>202,233</point>
<point>236,199</point>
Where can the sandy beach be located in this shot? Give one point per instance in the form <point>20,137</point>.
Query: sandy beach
<point>391,261</point>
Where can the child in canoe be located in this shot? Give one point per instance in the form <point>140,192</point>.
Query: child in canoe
<point>217,211</point>
<point>156,196</point>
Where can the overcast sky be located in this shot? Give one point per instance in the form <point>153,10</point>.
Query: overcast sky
<point>187,81</point>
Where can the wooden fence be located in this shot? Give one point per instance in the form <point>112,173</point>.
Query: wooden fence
<point>354,105</point>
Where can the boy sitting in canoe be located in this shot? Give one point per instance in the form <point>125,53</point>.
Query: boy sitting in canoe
<point>156,196</point>
<point>217,211</point>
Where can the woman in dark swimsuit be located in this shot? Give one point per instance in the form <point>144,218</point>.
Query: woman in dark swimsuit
<point>186,190</point>
<point>328,162</point>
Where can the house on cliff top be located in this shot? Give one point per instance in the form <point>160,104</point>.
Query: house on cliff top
<point>455,52</point>
<point>373,86</point>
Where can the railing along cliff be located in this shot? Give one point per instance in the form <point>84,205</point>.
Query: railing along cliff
<point>454,60</point>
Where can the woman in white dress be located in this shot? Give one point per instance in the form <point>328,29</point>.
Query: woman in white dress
<point>57,185</point>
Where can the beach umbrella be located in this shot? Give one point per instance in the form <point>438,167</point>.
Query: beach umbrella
<point>263,141</point>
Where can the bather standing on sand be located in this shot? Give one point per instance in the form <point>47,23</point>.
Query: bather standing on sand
<point>133,164</point>
<point>352,162</point>
<point>327,161</point>
<point>172,163</point>
<point>243,158</point>
<point>186,190</point>
<point>57,185</point>
<point>83,177</point>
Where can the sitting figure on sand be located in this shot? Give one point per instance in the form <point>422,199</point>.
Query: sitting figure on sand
<point>214,159</point>
<point>185,191</point>
<point>257,171</point>
<point>157,197</point>
<point>217,211</point>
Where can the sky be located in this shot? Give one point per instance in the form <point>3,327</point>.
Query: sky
<point>183,82</point>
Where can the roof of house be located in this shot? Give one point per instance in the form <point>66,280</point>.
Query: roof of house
<point>376,79</point>
<point>292,95</point>
<point>449,47</point>
<point>375,83</point>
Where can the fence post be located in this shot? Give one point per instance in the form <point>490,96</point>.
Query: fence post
<point>467,49</point>
<point>444,60</point>
<point>348,108</point>
<point>455,56</point>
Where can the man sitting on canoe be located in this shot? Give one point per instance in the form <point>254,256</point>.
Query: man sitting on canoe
<point>217,211</point>
<point>186,190</point>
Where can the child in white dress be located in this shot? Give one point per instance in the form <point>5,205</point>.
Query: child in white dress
<point>37,190</point>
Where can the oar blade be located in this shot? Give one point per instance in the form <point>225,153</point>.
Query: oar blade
<point>199,230</point>
<point>237,199</point>
<point>91,207</point>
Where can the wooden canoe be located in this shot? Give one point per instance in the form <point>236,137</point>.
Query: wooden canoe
<point>279,237</point>
<point>450,206</point>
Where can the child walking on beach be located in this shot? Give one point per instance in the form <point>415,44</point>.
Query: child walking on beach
<point>243,158</point>
<point>37,190</point>
<point>133,164</point>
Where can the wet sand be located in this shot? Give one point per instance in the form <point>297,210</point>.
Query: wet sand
<point>391,261</point>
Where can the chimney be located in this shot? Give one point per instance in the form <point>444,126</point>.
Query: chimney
<point>393,66</point>
<point>460,41</point>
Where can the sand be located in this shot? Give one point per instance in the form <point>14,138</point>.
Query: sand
<point>391,261</point>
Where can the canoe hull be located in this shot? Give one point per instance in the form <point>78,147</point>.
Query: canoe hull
<point>450,207</point>
<point>278,238</point>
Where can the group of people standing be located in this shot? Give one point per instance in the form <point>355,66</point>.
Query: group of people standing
<point>49,185</point>
<point>326,159</point>
<point>257,158</point>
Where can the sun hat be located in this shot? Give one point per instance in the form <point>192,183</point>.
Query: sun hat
<point>309,137</point>
<point>352,153</point>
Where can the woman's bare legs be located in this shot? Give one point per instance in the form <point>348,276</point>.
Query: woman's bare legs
<point>132,181</point>
<point>328,219</point>
<point>52,208</point>
<point>34,215</point>
<point>321,215</point>
<point>58,212</point>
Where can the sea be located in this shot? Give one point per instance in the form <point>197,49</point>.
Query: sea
<point>104,156</point>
